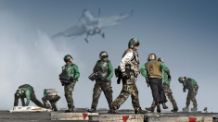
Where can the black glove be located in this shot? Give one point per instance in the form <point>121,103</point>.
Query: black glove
<point>62,84</point>
<point>73,79</point>
<point>184,89</point>
<point>165,84</point>
<point>169,77</point>
<point>148,85</point>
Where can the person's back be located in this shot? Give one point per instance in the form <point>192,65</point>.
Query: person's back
<point>50,92</point>
<point>50,98</point>
<point>154,69</point>
<point>190,83</point>
<point>26,87</point>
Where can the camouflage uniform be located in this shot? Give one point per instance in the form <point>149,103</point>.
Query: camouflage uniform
<point>130,58</point>
<point>168,92</point>
<point>26,91</point>
<point>192,87</point>
<point>166,78</point>
<point>50,99</point>
<point>72,71</point>
<point>103,83</point>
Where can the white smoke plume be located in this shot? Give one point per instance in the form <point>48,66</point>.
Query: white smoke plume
<point>27,56</point>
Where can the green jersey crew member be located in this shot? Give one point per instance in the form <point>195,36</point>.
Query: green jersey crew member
<point>69,76</point>
<point>50,99</point>
<point>103,73</point>
<point>191,85</point>
<point>26,91</point>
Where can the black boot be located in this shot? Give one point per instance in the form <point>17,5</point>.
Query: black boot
<point>91,110</point>
<point>139,111</point>
<point>71,109</point>
<point>151,109</point>
<point>158,108</point>
<point>112,111</point>
<point>175,109</point>
<point>164,106</point>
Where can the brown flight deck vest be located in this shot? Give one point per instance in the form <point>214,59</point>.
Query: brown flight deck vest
<point>154,69</point>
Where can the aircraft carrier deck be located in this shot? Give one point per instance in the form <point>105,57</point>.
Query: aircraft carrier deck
<point>101,116</point>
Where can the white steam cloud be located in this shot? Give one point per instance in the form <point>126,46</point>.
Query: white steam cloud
<point>27,56</point>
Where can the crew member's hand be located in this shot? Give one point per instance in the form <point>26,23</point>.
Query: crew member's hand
<point>184,89</point>
<point>124,75</point>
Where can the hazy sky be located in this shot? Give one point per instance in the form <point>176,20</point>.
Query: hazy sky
<point>183,32</point>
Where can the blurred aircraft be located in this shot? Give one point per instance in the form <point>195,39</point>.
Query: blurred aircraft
<point>89,25</point>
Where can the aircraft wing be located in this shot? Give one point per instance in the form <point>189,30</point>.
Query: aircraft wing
<point>72,31</point>
<point>113,20</point>
<point>86,17</point>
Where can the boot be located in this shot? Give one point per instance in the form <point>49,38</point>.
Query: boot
<point>139,111</point>
<point>194,109</point>
<point>174,109</point>
<point>151,109</point>
<point>55,109</point>
<point>164,106</point>
<point>158,109</point>
<point>69,110</point>
<point>186,109</point>
<point>91,110</point>
<point>112,111</point>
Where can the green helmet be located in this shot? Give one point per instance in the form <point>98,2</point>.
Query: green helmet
<point>181,79</point>
<point>103,54</point>
<point>133,42</point>
<point>152,56</point>
<point>19,92</point>
<point>67,57</point>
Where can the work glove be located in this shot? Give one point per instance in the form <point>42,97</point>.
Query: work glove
<point>184,89</point>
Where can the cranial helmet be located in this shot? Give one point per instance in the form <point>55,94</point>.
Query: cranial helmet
<point>67,57</point>
<point>152,56</point>
<point>103,54</point>
<point>133,42</point>
<point>181,79</point>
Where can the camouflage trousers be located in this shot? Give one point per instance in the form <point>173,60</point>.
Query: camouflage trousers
<point>50,101</point>
<point>127,90</point>
<point>68,90</point>
<point>33,99</point>
<point>98,88</point>
<point>36,101</point>
<point>191,96</point>
<point>168,92</point>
